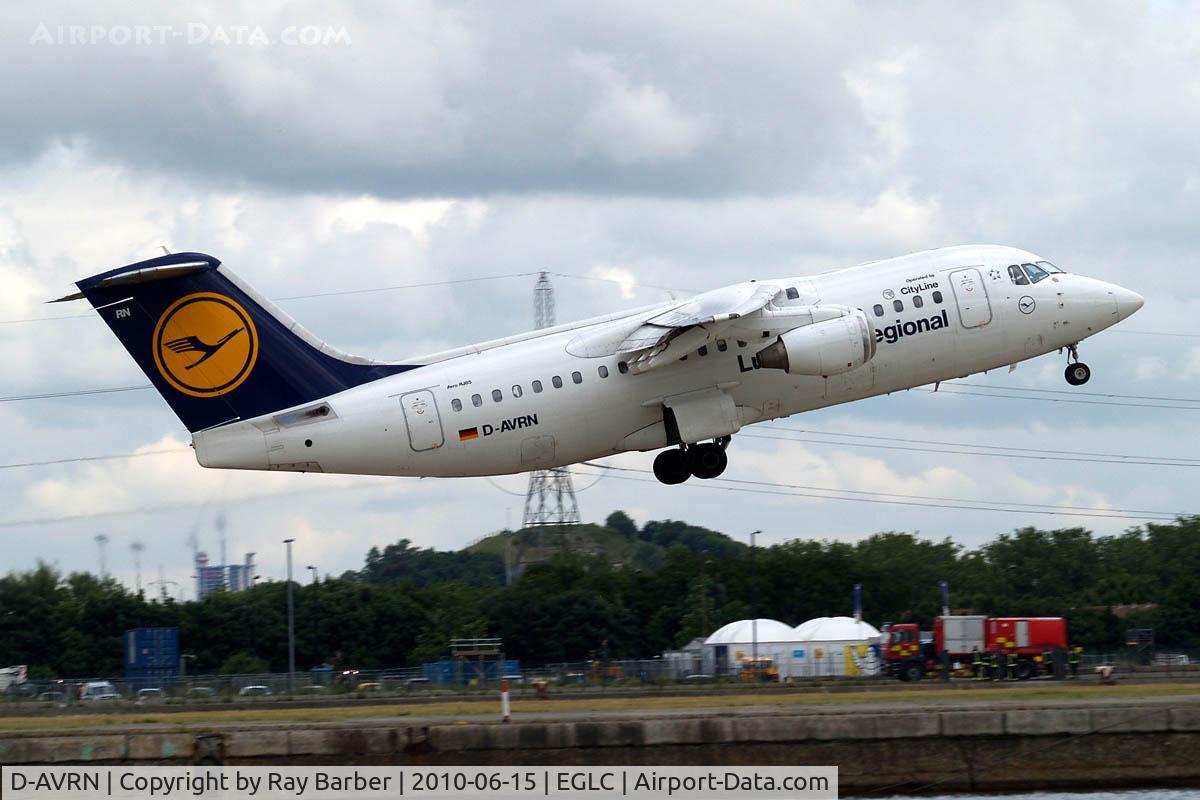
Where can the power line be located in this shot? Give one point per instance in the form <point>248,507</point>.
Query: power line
<point>319,294</point>
<point>1159,333</point>
<point>373,290</point>
<point>74,393</point>
<point>1031,456</point>
<point>31,521</point>
<point>397,287</point>
<point>1078,392</point>
<point>919,501</point>
<point>110,457</point>
<point>874,437</point>
<point>1058,399</point>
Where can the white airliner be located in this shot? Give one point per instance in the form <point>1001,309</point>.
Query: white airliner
<point>257,391</point>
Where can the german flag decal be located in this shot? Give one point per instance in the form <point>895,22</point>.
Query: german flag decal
<point>467,434</point>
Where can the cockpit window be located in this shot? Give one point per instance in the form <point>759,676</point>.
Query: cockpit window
<point>1017,276</point>
<point>1035,273</point>
<point>1046,265</point>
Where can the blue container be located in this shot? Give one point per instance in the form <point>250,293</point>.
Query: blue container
<point>448,672</point>
<point>151,649</point>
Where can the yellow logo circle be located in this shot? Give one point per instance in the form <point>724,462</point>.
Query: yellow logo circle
<point>205,344</point>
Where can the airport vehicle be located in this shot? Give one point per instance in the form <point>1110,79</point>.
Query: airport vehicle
<point>13,678</point>
<point>257,391</point>
<point>149,695</point>
<point>907,657</point>
<point>98,692</point>
<point>254,691</point>
<point>759,670</point>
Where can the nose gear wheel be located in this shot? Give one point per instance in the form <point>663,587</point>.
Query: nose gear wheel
<point>1077,373</point>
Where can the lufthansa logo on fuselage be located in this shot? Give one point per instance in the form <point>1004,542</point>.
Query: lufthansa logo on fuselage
<point>205,345</point>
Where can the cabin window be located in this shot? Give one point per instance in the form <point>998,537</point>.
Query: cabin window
<point>792,293</point>
<point>1017,276</point>
<point>899,306</point>
<point>741,343</point>
<point>622,367</point>
<point>576,377</point>
<point>722,345</point>
<point>703,350</point>
<point>476,400</point>
<point>918,301</point>
<point>517,390</point>
<point>1035,273</point>
<point>937,297</point>
<point>537,387</point>
<point>878,309</point>
<point>497,395</point>
<point>602,371</point>
<point>557,381</point>
<point>456,404</point>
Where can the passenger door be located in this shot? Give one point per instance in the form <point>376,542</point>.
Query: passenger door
<point>974,310</point>
<point>422,420</point>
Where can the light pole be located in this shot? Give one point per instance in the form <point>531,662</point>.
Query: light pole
<point>291,622</point>
<point>314,572</point>
<point>754,601</point>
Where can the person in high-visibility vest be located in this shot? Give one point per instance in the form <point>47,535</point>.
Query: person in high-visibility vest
<point>1012,665</point>
<point>977,664</point>
<point>995,665</point>
<point>1074,660</point>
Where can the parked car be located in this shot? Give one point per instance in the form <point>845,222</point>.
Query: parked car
<point>254,691</point>
<point>53,698</point>
<point>99,692</point>
<point>150,696</point>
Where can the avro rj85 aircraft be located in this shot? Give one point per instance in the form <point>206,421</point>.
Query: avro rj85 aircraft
<point>258,391</point>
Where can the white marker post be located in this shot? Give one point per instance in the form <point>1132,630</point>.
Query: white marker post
<point>504,709</point>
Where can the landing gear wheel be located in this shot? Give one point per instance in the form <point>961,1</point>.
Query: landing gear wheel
<point>672,467</point>
<point>707,460</point>
<point>1078,373</point>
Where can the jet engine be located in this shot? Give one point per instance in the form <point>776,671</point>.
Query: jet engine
<point>823,348</point>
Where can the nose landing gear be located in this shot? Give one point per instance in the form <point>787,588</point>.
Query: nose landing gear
<point>1077,373</point>
<point>704,461</point>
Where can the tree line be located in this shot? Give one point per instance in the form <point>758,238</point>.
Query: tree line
<point>406,603</point>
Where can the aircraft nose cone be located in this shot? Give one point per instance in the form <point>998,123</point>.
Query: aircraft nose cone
<point>1127,302</point>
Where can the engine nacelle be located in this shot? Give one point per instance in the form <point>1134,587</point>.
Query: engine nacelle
<point>823,348</point>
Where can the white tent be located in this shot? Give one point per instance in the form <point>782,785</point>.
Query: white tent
<point>733,643</point>
<point>835,646</point>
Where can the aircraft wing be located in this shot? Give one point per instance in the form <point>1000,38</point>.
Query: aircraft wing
<point>671,334</point>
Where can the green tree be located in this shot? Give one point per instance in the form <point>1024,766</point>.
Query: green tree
<point>243,664</point>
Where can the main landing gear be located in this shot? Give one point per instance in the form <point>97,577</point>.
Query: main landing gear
<point>1077,373</point>
<point>703,461</point>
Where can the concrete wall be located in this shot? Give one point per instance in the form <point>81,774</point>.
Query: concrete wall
<point>946,750</point>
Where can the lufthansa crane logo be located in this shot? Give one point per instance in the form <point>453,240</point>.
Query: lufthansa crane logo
<point>205,345</point>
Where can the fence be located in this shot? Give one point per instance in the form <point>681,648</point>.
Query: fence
<point>682,667</point>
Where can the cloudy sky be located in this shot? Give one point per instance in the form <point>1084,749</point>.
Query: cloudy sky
<point>321,147</point>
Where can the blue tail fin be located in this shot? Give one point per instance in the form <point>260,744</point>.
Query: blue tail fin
<point>213,347</point>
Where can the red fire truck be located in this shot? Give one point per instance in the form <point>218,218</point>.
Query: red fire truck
<point>908,657</point>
